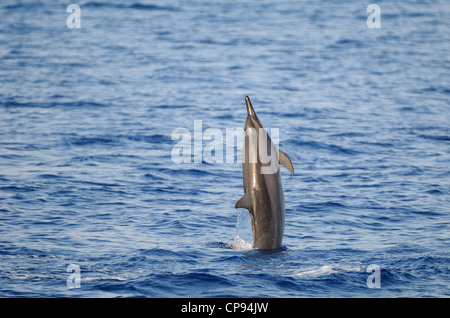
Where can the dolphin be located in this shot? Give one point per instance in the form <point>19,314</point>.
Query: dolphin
<point>264,197</point>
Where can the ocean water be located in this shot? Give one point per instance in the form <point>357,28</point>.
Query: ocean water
<point>87,176</point>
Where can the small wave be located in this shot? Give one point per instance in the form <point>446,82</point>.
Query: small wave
<point>87,141</point>
<point>197,172</point>
<point>347,43</point>
<point>14,188</point>
<point>327,147</point>
<point>28,5</point>
<point>140,6</point>
<point>435,137</point>
<point>71,104</point>
<point>104,278</point>
<point>326,270</point>
<point>135,6</point>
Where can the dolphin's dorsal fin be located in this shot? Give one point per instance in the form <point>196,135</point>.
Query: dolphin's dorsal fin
<point>244,203</point>
<point>285,161</point>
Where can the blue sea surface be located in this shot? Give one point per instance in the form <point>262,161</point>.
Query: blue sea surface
<point>87,176</point>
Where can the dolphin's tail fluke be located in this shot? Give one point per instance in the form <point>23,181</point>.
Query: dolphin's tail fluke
<point>250,110</point>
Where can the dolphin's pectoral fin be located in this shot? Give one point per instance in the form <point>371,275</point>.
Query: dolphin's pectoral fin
<point>285,161</point>
<point>244,203</point>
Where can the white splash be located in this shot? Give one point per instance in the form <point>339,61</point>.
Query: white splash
<point>244,228</point>
<point>240,244</point>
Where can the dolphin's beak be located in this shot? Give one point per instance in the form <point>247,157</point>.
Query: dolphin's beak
<point>250,110</point>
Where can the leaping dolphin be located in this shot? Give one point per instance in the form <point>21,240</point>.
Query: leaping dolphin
<point>264,197</point>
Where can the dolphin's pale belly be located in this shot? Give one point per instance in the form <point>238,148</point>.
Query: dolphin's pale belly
<point>268,214</point>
